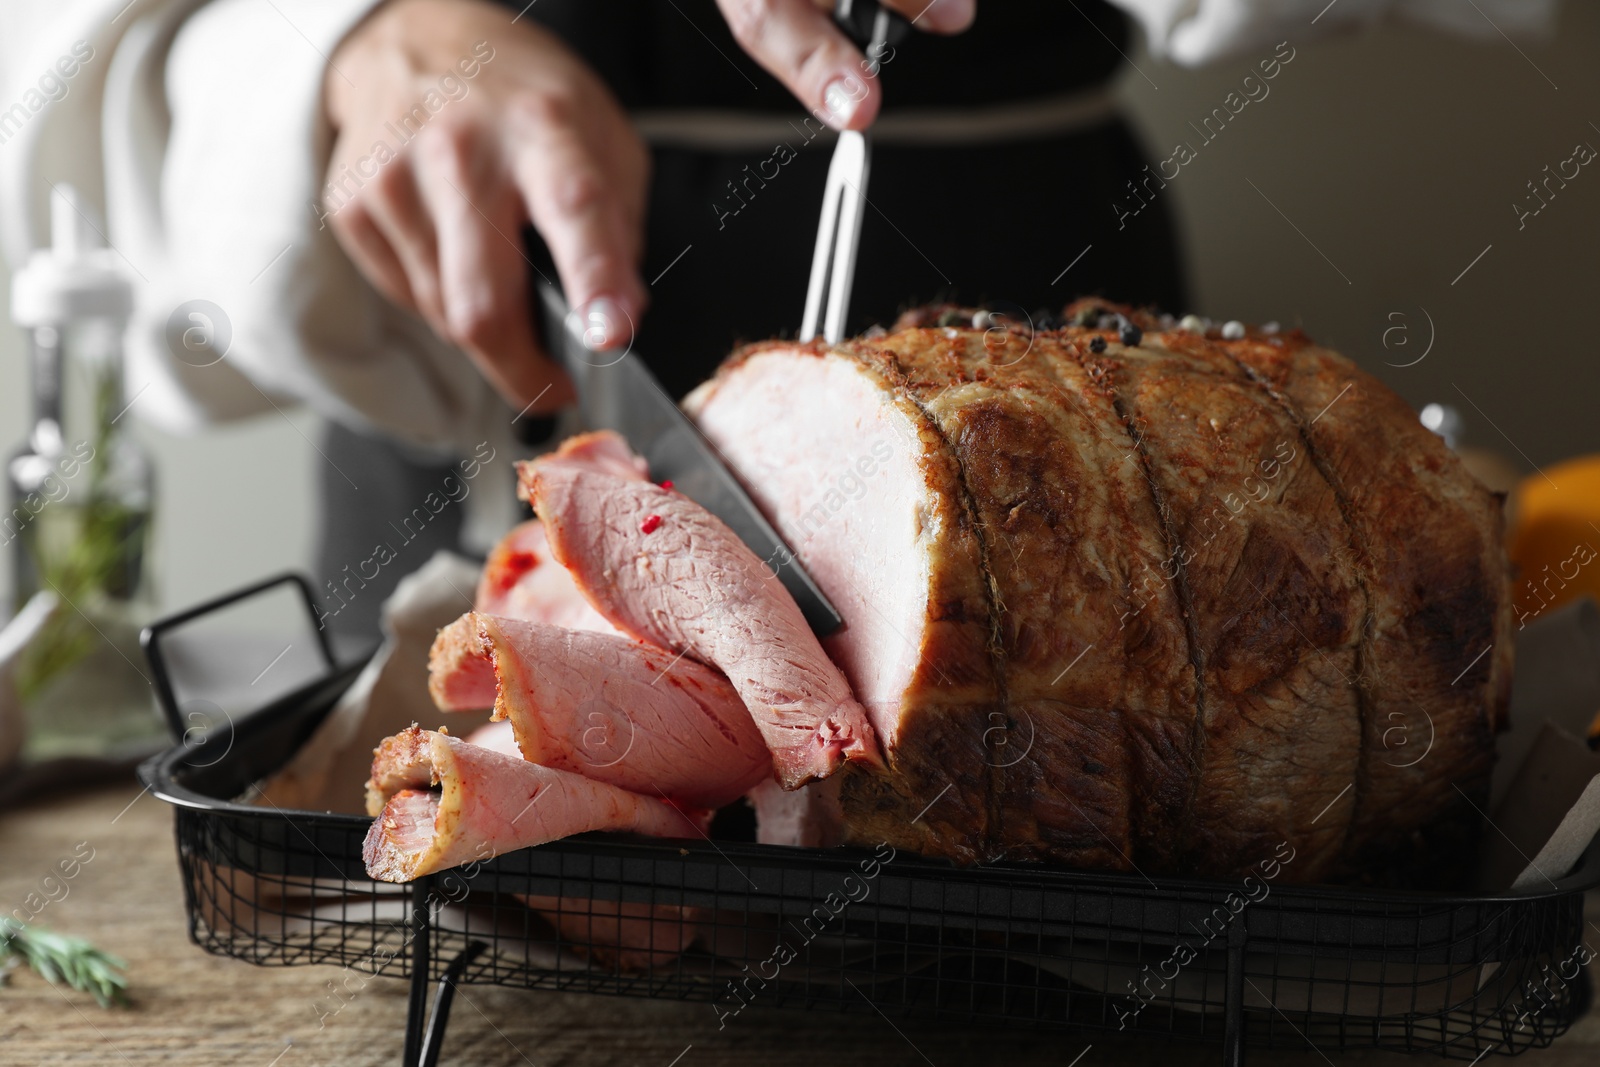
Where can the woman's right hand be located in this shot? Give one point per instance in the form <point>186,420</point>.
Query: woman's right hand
<point>432,216</point>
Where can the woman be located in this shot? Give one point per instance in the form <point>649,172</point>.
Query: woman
<point>347,185</point>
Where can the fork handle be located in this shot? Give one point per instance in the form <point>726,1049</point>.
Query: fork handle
<point>860,21</point>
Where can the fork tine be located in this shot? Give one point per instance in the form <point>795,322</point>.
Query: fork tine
<point>821,257</point>
<point>833,261</point>
<point>852,193</point>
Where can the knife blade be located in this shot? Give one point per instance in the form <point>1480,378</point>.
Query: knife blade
<point>617,391</point>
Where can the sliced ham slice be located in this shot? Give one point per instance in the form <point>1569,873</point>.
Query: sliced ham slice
<point>521,581</point>
<point>461,667</point>
<point>604,706</point>
<point>614,934</point>
<point>439,802</point>
<point>605,452</point>
<point>660,567</point>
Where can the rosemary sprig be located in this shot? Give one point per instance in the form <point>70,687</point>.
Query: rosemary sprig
<point>62,959</point>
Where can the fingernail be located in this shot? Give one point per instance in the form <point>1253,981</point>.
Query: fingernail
<point>841,98</point>
<point>599,323</point>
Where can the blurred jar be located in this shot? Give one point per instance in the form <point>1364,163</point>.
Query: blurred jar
<point>80,498</point>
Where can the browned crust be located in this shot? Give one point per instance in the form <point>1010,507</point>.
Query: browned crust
<point>1361,557</point>
<point>936,757</point>
<point>1168,843</point>
<point>1274,606</point>
<point>1032,437</point>
<point>925,383</point>
<point>1440,660</point>
<point>402,761</point>
<point>458,648</point>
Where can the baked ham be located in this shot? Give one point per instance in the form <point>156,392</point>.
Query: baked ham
<point>521,581</point>
<point>438,802</point>
<point>615,934</point>
<point>602,705</point>
<point>661,568</point>
<point>1118,595</point>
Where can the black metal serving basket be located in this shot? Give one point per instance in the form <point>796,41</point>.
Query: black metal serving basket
<point>853,930</point>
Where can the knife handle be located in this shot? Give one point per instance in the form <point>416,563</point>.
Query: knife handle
<point>859,20</point>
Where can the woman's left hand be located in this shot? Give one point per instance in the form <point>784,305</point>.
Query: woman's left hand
<point>799,44</point>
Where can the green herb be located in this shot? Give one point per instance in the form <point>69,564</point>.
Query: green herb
<point>62,959</point>
<point>86,550</point>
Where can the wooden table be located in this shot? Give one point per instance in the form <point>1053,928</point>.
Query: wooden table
<point>193,1009</point>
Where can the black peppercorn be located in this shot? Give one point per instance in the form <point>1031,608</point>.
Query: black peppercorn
<point>1131,335</point>
<point>1097,345</point>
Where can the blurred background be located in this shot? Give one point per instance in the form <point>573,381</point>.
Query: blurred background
<point>1422,144</point>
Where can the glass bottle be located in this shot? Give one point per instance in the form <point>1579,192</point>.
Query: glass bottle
<point>80,495</point>
<point>80,490</point>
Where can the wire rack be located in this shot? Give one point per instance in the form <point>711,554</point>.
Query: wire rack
<point>731,924</point>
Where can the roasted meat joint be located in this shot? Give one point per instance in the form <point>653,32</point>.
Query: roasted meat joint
<point>1125,594</point>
